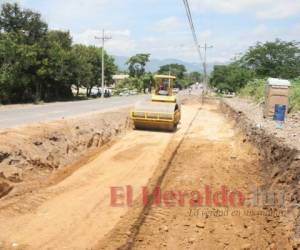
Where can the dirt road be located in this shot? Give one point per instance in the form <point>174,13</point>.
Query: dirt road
<point>213,155</point>
<point>76,213</point>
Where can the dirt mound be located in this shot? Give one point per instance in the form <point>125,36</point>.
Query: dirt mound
<point>280,152</point>
<point>34,152</point>
<point>254,112</point>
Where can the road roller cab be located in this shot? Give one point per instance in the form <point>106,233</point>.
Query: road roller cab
<point>163,111</point>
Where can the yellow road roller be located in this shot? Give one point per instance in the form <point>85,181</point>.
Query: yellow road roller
<point>163,111</point>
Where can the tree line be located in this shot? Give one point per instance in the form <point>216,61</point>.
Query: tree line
<point>41,64</point>
<point>277,59</point>
<point>142,80</point>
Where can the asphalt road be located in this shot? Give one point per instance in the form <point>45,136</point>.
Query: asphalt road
<point>14,116</point>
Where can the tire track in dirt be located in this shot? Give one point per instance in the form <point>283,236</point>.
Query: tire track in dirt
<point>215,155</point>
<point>76,212</point>
<point>141,219</point>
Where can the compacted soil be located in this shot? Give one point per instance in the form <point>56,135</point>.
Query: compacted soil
<point>212,156</point>
<point>192,210</point>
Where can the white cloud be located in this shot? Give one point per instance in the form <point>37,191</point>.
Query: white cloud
<point>77,9</point>
<point>168,24</point>
<point>282,9</point>
<point>225,48</point>
<point>65,14</point>
<point>133,30</point>
<point>260,30</point>
<point>205,35</point>
<point>265,9</point>
<point>121,42</point>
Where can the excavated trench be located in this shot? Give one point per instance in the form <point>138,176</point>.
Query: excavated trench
<point>217,183</point>
<point>38,155</point>
<point>185,206</point>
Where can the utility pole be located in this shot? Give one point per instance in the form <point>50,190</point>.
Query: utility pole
<point>169,75</point>
<point>103,38</point>
<point>206,47</point>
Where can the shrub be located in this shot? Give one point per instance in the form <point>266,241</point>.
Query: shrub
<point>254,89</point>
<point>295,96</point>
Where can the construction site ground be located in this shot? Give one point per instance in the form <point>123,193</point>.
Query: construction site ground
<point>76,211</point>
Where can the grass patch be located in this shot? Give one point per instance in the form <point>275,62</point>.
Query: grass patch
<point>255,89</point>
<point>295,96</point>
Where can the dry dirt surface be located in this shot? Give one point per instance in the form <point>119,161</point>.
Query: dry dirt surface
<point>212,154</point>
<point>30,154</point>
<point>76,213</point>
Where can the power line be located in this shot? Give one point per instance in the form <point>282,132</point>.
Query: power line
<point>191,23</point>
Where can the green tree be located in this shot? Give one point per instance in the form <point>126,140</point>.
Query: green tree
<point>136,64</point>
<point>177,70</point>
<point>24,22</point>
<point>23,30</point>
<point>195,76</point>
<point>39,64</point>
<point>19,63</point>
<point>277,59</point>
<point>88,67</point>
<point>81,67</point>
<point>148,81</point>
<point>230,77</point>
<point>55,71</point>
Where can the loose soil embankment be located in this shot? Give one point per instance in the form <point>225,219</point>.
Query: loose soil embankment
<point>280,149</point>
<point>29,155</point>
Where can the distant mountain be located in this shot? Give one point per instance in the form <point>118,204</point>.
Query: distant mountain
<point>155,64</point>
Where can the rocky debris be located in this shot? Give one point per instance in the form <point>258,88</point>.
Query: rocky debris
<point>3,156</point>
<point>246,247</point>
<point>200,225</point>
<point>5,188</point>
<point>191,240</point>
<point>38,143</point>
<point>279,151</point>
<point>165,229</point>
<point>11,173</point>
<point>254,112</point>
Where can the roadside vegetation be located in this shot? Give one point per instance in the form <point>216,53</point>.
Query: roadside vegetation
<point>247,74</point>
<point>142,81</point>
<point>38,64</point>
<point>295,96</point>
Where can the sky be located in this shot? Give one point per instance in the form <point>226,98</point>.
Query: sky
<point>160,27</point>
